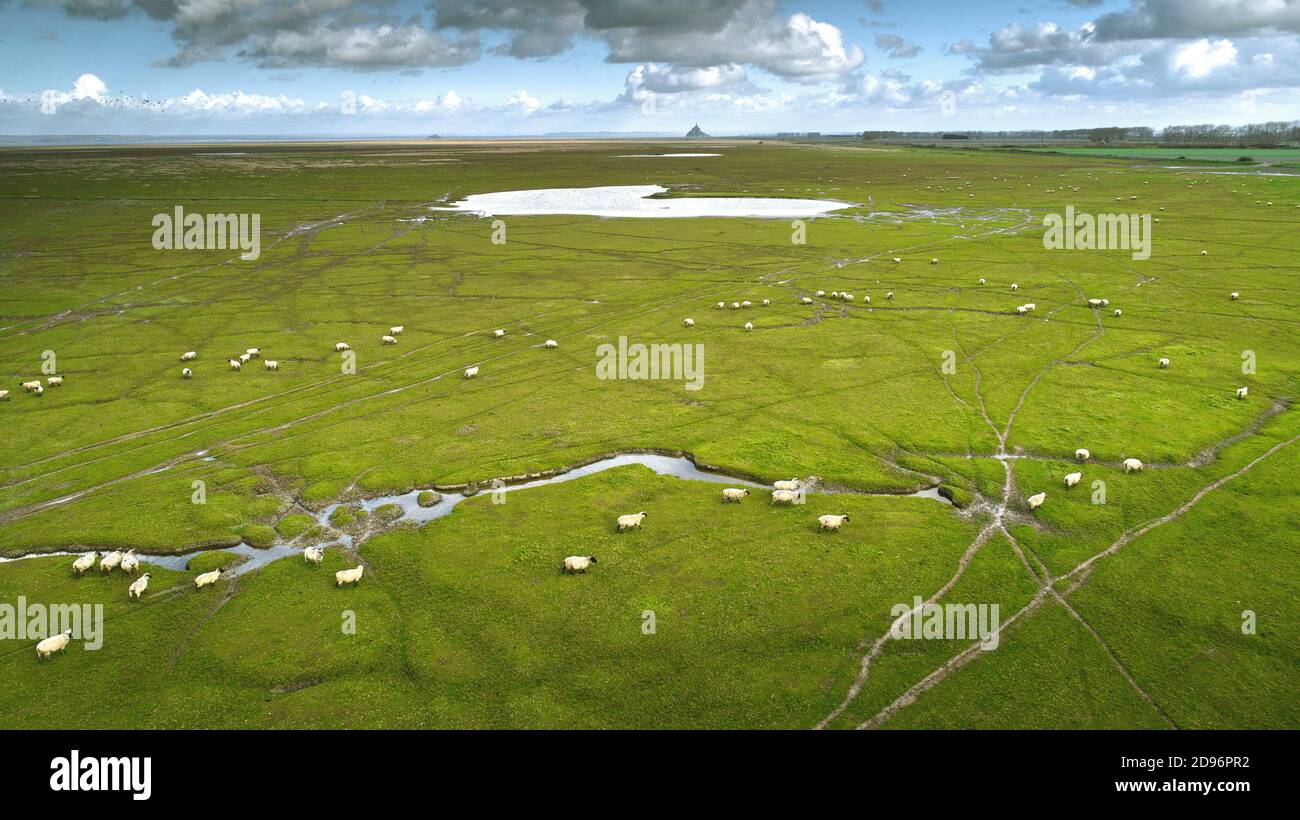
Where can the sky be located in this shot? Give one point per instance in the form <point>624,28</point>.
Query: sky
<point>530,67</point>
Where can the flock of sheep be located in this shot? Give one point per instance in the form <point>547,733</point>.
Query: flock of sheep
<point>35,387</point>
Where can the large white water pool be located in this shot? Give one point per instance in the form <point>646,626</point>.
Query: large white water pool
<point>633,201</point>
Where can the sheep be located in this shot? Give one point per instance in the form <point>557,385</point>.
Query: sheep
<point>767,302</point>
<point>1082,454</point>
<point>784,496</point>
<point>1105,303</point>
<point>1132,465</point>
<point>1118,312</point>
<point>471,372</point>
<point>498,334</point>
<point>313,555</point>
<point>831,522</point>
<point>835,294</point>
<point>244,358</point>
<point>1014,286</point>
<point>721,305</point>
<point>1241,392</point>
<point>388,340</point>
<point>1205,253</point>
<point>235,364</point>
<point>1030,306</point>
<point>207,578</point>
<point>349,576</point>
<point>189,356</point>
<point>1021,309</point>
<point>254,352</point>
<point>889,295</point>
<point>30,386</point>
<point>578,563</point>
<point>630,521</point>
<point>792,484</point>
<point>110,562</point>
<point>551,344</point>
<point>735,305</point>
<point>688,323</point>
<point>805,301</point>
<point>339,347</point>
<point>186,373</point>
<point>39,391</point>
<point>1163,363</point>
<point>1234,296</point>
<point>734,494</point>
<point>54,381</point>
<point>4,395</point>
<point>934,261</point>
<point>138,587</point>
<point>84,563</point>
<point>866,299</point>
<point>396,330</point>
<point>58,643</point>
<point>848,297</point>
<point>1036,500</point>
<point>982,280</point>
<point>821,293</point>
<point>130,563</point>
<point>1072,478</point>
<point>898,260</point>
<point>749,325</point>
<point>271,364</point>
<point>745,304</point>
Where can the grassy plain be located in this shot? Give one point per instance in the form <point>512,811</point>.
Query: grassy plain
<point>760,620</point>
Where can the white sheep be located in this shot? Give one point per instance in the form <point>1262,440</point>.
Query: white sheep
<point>85,562</point>
<point>1205,253</point>
<point>848,297</point>
<point>271,364</point>
<point>792,484</point>
<point>934,261</point>
<point>207,578</point>
<point>551,344</point>
<point>767,302</point>
<point>982,280</point>
<point>244,358</point>
<point>630,521</point>
<point>348,576</point>
<point>1073,478</point>
<point>4,395</point>
<point>735,305</point>
<point>1118,312</point>
<point>339,347</point>
<point>57,643</point>
<point>1241,392</point>
<point>189,356</point>
<point>688,323</point>
<point>138,587</point>
<point>749,325</point>
<point>313,555</point>
<point>734,494</point>
<point>235,364</point>
<point>578,563</point>
<point>186,373</point>
<point>721,305</point>
<point>396,330</point>
<point>1164,363</point>
<point>1132,465</point>
<point>805,301</point>
<point>38,390</point>
<point>1014,286</point>
<point>111,561</point>
<point>889,295</point>
<point>1021,309</point>
<point>1233,296</point>
<point>835,294</point>
<point>388,340</point>
<point>254,352</point>
<point>745,303</point>
<point>1082,454</point>
<point>866,299</point>
<point>31,386</point>
<point>897,260</point>
<point>54,381</point>
<point>821,293</point>
<point>471,372</point>
<point>130,563</point>
<point>1030,306</point>
<point>498,334</point>
<point>1036,500</point>
<point>784,496</point>
<point>831,522</point>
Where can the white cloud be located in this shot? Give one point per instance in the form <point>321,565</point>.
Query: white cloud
<point>1200,58</point>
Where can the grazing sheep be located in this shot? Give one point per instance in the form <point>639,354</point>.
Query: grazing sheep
<point>934,261</point>
<point>1132,465</point>
<point>4,395</point>
<point>207,578</point>
<point>745,303</point>
<point>58,643</point>
<point>1021,309</point>
<point>552,344</point>
<point>339,347</point>
<point>38,390</point>
<point>1030,306</point>
<point>630,521</point>
<point>130,563</point>
<point>30,386</point>
<point>1105,303</point>
<point>1072,478</point>
<point>578,563</point>
<point>84,563</point>
<point>897,260</point>
<point>735,305</point>
<point>1014,286</point>
<point>313,555</point>
<point>1233,296</point>
<point>835,294</point>
<point>388,340</point>
<point>1036,500</point>
<point>471,372</point>
<point>866,299</point>
<point>1094,303</point>
<point>767,302</point>
<point>1241,392</point>
<point>396,330</point>
<point>235,364</point>
<point>749,325</point>
<point>498,334</point>
<point>1164,363</point>
<point>271,364</point>
<point>254,352</point>
<point>54,381</point>
<point>982,281</point>
<point>831,522</point>
<point>1205,253</point>
<point>689,323</point>
<point>138,587</point>
<point>821,293</point>
<point>784,496</point>
<point>110,562</point>
<point>734,494</point>
<point>186,373</point>
<point>189,356</point>
<point>805,301</point>
<point>721,305</point>
<point>1082,454</point>
<point>348,576</point>
<point>848,297</point>
<point>792,484</point>
<point>1118,312</point>
<point>244,358</point>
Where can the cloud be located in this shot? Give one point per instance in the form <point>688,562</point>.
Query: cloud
<point>1189,19</point>
<point>897,47</point>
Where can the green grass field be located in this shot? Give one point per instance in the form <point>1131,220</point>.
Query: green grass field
<point>1126,613</point>
<point>1272,156</point>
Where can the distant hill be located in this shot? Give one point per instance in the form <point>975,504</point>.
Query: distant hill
<point>696,133</point>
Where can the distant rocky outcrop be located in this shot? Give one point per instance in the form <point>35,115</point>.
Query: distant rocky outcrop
<point>696,133</point>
